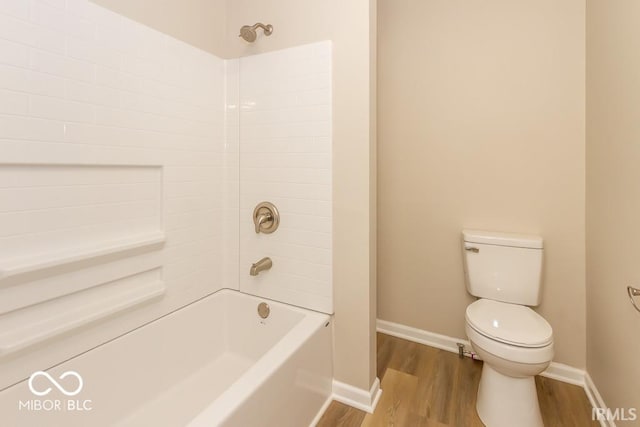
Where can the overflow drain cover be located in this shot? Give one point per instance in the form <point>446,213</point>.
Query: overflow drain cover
<point>263,310</point>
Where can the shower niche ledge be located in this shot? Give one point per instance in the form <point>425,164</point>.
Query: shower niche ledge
<point>60,258</point>
<point>32,325</point>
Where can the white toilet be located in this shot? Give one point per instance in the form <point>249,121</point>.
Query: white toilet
<point>504,271</point>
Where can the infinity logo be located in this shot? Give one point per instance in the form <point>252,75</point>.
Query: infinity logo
<point>55,383</point>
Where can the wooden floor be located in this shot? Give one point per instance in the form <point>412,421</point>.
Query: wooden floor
<point>426,387</point>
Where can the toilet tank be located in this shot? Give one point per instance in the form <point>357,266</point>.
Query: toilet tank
<point>503,266</point>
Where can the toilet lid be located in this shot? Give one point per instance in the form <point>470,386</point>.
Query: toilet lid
<point>509,323</point>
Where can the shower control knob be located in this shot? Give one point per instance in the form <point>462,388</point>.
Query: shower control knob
<point>266,218</point>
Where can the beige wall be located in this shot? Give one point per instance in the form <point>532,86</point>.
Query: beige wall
<point>481,125</point>
<point>198,22</point>
<point>613,199</point>
<point>351,26</point>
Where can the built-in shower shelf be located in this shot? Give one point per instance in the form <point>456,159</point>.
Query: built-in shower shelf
<point>24,265</point>
<point>42,322</point>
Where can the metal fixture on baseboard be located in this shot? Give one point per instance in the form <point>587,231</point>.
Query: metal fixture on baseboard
<point>633,292</point>
<point>462,352</point>
<point>266,218</point>
<point>262,265</point>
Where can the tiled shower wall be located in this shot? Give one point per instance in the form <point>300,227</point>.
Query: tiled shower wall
<point>112,179</point>
<point>121,192</point>
<point>285,158</point>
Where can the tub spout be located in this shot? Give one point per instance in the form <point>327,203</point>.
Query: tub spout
<point>262,265</point>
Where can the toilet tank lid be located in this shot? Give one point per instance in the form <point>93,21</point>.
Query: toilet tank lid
<point>502,239</point>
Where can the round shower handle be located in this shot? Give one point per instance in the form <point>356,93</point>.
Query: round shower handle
<point>266,218</point>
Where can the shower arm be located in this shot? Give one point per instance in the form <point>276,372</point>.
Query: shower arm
<point>268,29</point>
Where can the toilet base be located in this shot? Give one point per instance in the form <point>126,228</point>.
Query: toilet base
<point>505,401</point>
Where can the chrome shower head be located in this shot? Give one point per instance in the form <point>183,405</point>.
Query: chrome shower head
<point>248,32</point>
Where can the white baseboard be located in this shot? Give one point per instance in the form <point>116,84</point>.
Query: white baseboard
<point>596,399</point>
<point>556,371</point>
<point>565,373</point>
<point>357,397</point>
<point>420,336</point>
<point>321,411</point>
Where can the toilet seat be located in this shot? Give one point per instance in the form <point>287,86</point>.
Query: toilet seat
<point>511,324</point>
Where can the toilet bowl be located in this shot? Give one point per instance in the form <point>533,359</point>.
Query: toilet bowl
<point>504,271</point>
<point>512,357</point>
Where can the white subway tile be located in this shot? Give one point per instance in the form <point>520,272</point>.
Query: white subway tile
<point>141,67</point>
<point>57,109</point>
<point>22,80</point>
<point>51,41</point>
<point>287,160</point>
<point>82,133</point>
<point>53,196</point>
<point>14,54</point>
<point>291,175</point>
<point>13,127</point>
<point>54,18</point>
<point>18,8</point>
<point>45,15</point>
<point>92,94</point>
<point>39,221</point>
<point>292,190</point>
<point>84,9</point>
<point>23,32</point>
<point>17,30</point>
<point>13,103</point>
<point>55,175</point>
<point>61,66</point>
<point>13,78</point>
<point>321,224</point>
<point>89,51</point>
<point>293,236</point>
<point>44,84</point>
<point>109,29</point>
<point>128,119</point>
<point>108,77</point>
<point>78,27</point>
<point>60,4</point>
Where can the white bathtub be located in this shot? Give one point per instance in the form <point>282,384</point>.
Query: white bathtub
<point>212,363</point>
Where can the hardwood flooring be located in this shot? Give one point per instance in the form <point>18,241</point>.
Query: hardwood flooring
<point>426,387</point>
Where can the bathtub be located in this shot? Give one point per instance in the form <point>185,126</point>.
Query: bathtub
<point>215,362</point>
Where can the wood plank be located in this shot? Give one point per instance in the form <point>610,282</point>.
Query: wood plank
<point>341,415</point>
<point>563,405</point>
<point>427,360</point>
<point>393,408</point>
<point>465,393</point>
<point>405,356</point>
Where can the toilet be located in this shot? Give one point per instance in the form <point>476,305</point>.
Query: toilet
<point>504,271</point>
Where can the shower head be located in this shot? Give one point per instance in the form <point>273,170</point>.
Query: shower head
<point>248,32</point>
